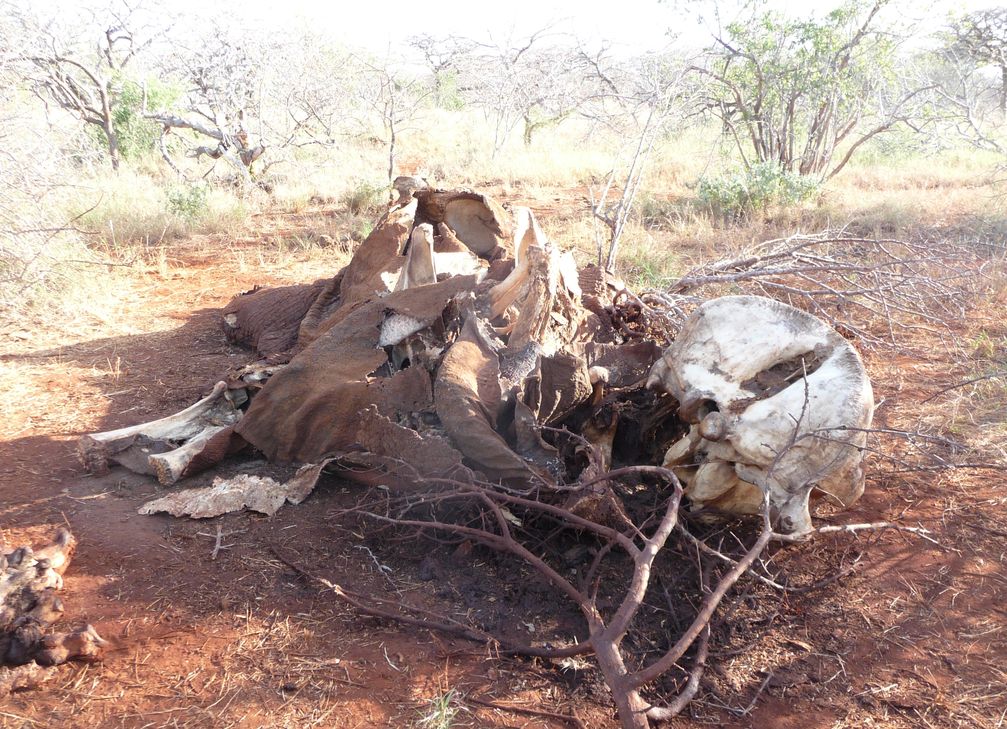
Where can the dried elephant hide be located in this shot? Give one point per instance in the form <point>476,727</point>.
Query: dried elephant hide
<point>457,343</point>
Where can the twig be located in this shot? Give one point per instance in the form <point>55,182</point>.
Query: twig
<point>665,713</point>
<point>437,622</point>
<point>707,549</point>
<point>858,285</point>
<point>218,540</point>
<point>966,383</point>
<point>877,525</point>
<point>751,704</point>
<point>572,720</point>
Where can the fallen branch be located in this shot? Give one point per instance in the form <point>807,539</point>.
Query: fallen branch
<point>434,621</point>
<point>872,288</point>
<point>921,532</point>
<point>571,720</point>
<point>707,549</point>
<point>606,632</point>
<point>966,383</point>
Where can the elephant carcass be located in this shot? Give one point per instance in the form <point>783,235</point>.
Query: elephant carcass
<point>778,401</point>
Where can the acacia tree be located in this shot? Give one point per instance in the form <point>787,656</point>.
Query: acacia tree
<point>966,93</point>
<point>795,92</point>
<point>444,56</point>
<point>223,98</point>
<point>396,98</point>
<point>981,37</point>
<point>86,80</point>
<point>643,101</point>
<point>520,81</point>
<point>317,105</point>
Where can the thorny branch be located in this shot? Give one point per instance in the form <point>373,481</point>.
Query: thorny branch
<point>874,289</point>
<point>504,527</point>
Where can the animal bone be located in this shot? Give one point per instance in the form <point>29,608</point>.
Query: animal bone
<point>169,466</point>
<point>83,643</point>
<point>29,580</point>
<point>419,266</point>
<point>779,402</point>
<point>476,220</point>
<point>18,678</point>
<point>162,447</point>
<point>543,288</point>
<point>425,264</point>
<point>527,234</point>
<point>405,186</point>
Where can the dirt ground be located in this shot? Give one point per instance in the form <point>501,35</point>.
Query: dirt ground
<point>914,636</point>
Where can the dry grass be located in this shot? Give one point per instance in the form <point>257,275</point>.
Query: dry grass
<point>131,209</point>
<point>323,202</point>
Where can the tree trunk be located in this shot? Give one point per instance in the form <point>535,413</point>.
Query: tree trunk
<point>113,146</point>
<point>391,153</point>
<point>1003,92</point>
<point>108,126</point>
<point>628,702</point>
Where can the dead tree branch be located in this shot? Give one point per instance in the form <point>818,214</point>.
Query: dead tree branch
<point>606,631</point>
<point>874,289</point>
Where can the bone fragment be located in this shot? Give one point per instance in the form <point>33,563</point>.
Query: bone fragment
<point>419,266</point>
<point>527,235</point>
<point>162,447</point>
<point>244,491</point>
<point>169,466</point>
<point>29,581</point>
<point>20,678</point>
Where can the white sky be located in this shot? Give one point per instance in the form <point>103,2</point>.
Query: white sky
<point>639,24</point>
<point>631,26</point>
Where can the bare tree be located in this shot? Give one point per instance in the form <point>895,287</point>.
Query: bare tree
<point>316,105</point>
<point>396,98</point>
<point>643,102</point>
<point>223,98</point>
<point>519,81</point>
<point>982,37</point>
<point>445,57</point>
<point>963,89</point>
<point>84,79</point>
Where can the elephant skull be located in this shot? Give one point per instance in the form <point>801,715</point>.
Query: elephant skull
<point>778,403</point>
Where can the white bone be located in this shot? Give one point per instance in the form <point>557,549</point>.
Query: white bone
<point>806,432</point>
<point>153,447</point>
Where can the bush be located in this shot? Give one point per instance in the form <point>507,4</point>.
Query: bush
<point>137,136</point>
<point>188,202</point>
<point>364,198</point>
<point>656,212</point>
<point>740,194</point>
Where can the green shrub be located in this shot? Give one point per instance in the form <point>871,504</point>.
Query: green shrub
<point>137,136</point>
<point>364,198</point>
<point>737,195</point>
<point>188,201</point>
<point>449,95</point>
